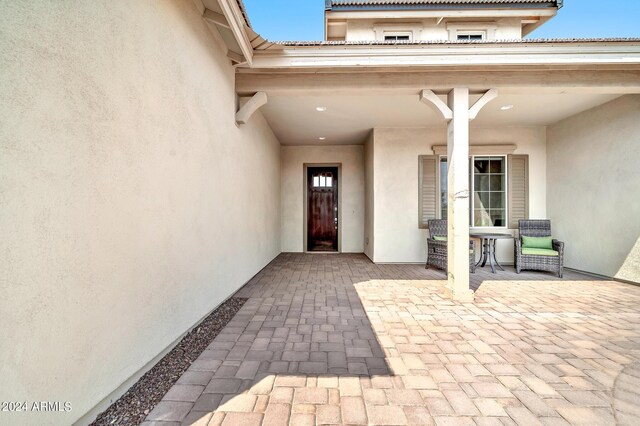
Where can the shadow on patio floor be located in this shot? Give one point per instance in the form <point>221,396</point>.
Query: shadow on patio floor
<point>335,339</point>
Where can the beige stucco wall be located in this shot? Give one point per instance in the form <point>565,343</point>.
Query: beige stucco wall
<point>594,188</point>
<point>369,214</point>
<point>351,193</point>
<point>428,30</point>
<point>396,152</point>
<point>131,204</point>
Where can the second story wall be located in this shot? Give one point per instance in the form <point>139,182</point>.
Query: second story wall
<point>431,30</point>
<point>435,20</point>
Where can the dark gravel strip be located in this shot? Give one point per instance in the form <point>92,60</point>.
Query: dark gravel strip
<point>133,406</point>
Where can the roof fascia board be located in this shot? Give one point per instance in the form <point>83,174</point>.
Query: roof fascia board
<point>411,81</point>
<point>446,13</point>
<point>529,28</point>
<point>341,56</point>
<point>236,21</point>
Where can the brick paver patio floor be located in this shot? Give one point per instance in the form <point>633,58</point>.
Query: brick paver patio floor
<point>336,339</point>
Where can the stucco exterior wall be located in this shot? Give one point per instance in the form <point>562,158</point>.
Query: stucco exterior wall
<point>396,150</point>
<point>429,30</point>
<point>369,213</point>
<point>131,204</point>
<point>594,188</point>
<point>351,193</point>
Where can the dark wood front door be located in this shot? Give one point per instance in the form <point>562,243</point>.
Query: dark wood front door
<point>322,208</point>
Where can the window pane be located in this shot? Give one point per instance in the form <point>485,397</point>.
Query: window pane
<point>497,200</point>
<point>481,217</point>
<point>496,165</point>
<point>322,181</point>
<point>481,165</point>
<point>316,181</point>
<point>497,217</point>
<point>482,201</point>
<point>497,182</point>
<point>482,183</point>
<point>329,181</point>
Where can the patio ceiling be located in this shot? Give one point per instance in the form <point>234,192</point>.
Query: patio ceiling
<point>348,119</point>
<point>364,86</point>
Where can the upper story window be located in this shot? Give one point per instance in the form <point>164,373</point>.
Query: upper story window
<point>471,31</point>
<point>480,35</point>
<point>393,36</point>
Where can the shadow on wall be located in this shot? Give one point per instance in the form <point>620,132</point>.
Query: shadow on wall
<point>630,269</point>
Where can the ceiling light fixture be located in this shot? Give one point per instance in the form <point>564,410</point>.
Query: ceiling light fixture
<point>506,107</point>
<point>321,109</point>
<point>322,138</point>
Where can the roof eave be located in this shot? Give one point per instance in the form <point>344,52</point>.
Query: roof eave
<point>427,5</point>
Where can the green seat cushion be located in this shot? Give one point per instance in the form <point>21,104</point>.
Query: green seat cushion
<point>539,252</point>
<point>439,238</point>
<point>537,242</point>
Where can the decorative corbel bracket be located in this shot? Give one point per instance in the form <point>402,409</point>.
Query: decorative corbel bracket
<point>429,98</point>
<point>244,114</point>
<point>482,102</point>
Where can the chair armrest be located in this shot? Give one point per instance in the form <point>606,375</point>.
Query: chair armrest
<point>436,244</point>
<point>518,245</point>
<point>558,246</point>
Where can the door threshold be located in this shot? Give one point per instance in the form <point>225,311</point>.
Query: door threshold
<point>322,252</point>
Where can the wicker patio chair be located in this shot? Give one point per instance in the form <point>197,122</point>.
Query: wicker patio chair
<point>551,261</point>
<point>437,246</point>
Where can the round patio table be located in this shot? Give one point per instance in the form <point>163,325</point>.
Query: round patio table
<point>489,248</point>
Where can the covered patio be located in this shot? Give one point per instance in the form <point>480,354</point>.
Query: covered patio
<point>337,339</point>
<point>411,126</point>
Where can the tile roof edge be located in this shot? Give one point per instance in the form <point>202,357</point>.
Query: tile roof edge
<point>458,42</point>
<point>245,15</point>
<point>338,5</point>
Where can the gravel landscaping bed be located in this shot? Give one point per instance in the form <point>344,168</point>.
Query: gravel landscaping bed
<point>133,406</point>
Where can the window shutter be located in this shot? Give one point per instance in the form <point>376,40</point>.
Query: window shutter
<point>428,194</point>
<point>518,203</point>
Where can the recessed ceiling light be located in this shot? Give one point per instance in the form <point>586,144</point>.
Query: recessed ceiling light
<point>321,109</point>
<point>322,138</point>
<point>506,107</point>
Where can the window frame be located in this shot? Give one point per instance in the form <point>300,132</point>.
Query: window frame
<point>472,189</point>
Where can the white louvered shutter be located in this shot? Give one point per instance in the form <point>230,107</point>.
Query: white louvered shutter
<point>427,201</point>
<point>518,203</point>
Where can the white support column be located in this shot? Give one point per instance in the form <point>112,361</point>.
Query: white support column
<point>458,196</point>
<point>458,114</point>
